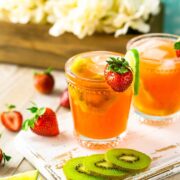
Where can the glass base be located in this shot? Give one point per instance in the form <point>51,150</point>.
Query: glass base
<point>156,120</point>
<point>99,143</point>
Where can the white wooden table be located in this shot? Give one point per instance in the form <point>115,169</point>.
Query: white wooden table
<point>16,87</point>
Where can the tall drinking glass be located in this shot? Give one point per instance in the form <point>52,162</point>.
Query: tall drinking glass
<point>158,100</point>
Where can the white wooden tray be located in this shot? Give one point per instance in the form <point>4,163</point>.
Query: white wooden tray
<point>49,154</point>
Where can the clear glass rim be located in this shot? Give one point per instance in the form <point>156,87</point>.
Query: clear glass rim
<point>163,35</point>
<point>95,81</point>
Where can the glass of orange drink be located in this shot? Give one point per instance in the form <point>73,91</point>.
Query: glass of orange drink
<point>158,100</point>
<point>100,114</point>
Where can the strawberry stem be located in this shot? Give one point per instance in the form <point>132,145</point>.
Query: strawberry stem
<point>118,64</point>
<point>10,107</point>
<point>48,70</point>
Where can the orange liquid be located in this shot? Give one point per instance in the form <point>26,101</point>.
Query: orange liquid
<point>98,111</point>
<point>160,80</point>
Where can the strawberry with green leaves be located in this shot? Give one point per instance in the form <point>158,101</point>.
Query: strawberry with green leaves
<point>118,73</point>
<point>177,47</point>
<point>4,158</point>
<point>44,81</point>
<point>43,121</point>
<point>12,119</point>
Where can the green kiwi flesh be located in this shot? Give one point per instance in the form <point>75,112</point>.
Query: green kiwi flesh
<point>97,165</point>
<point>128,159</point>
<point>74,170</point>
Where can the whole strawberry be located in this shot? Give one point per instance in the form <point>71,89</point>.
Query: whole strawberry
<point>118,74</point>
<point>4,157</point>
<point>43,122</point>
<point>64,102</point>
<point>44,81</point>
<point>12,119</point>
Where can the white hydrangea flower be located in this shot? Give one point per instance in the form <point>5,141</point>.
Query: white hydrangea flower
<point>82,17</point>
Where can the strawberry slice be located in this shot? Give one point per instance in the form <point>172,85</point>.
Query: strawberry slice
<point>65,99</point>
<point>44,81</point>
<point>177,48</point>
<point>4,158</point>
<point>118,74</point>
<point>11,119</point>
<point>43,122</point>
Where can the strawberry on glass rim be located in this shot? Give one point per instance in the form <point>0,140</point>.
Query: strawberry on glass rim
<point>43,121</point>
<point>12,119</point>
<point>177,47</point>
<point>120,72</point>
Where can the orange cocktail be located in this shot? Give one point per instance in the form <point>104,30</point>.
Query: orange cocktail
<point>159,95</point>
<point>100,114</point>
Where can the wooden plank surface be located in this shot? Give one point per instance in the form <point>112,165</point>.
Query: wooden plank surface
<point>31,44</point>
<point>27,44</point>
<point>16,86</point>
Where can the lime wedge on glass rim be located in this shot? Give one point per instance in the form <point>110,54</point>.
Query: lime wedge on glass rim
<point>132,56</point>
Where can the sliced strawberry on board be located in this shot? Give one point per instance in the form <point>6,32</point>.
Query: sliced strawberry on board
<point>12,119</point>
<point>64,102</point>
<point>44,81</point>
<point>118,74</point>
<point>3,157</point>
<point>43,122</point>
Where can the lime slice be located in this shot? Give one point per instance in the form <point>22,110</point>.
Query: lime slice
<point>132,56</point>
<point>30,175</point>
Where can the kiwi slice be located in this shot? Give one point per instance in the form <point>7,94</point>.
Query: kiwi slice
<point>74,170</point>
<point>97,165</point>
<point>128,159</point>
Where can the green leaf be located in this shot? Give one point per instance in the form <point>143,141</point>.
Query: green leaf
<point>10,106</point>
<point>118,65</point>
<point>25,125</point>
<point>35,72</point>
<point>28,123</point>
<point>48,71</point>
<point>33,109</point>
<point>41,111</point>
<point>122,70</point>
<point>36,116</point>
<point>177,45</point>
<point>31,122</point>
<point>37,112</point>
<point>6,158</point>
